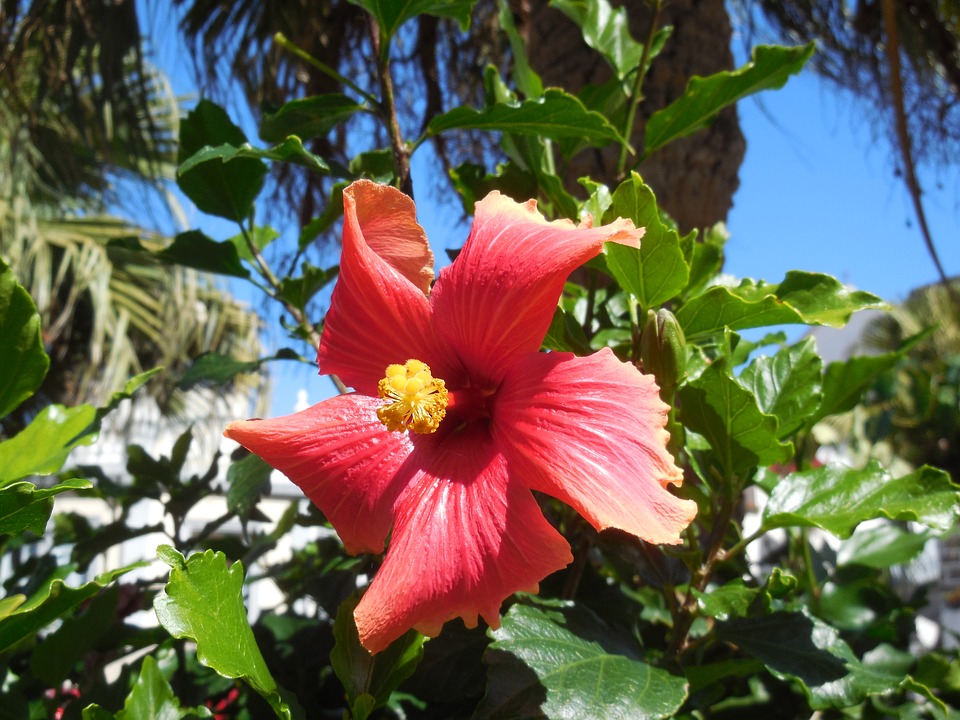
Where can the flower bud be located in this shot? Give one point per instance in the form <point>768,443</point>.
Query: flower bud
<point>663,349</point>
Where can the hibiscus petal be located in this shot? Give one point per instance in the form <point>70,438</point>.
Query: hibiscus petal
<point>466,537</point>
<point>379,313</point>
<point>590,432</point>
<point>498,297</point>
<point>343,459</point>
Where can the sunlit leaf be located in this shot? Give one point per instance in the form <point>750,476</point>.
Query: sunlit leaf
<point>151,698</point>
<point>802,298</point>
<point>769,68</point>
<point>309,117</point>
<point>656,271</point>
<point>203,601</point>
<point>837,499</point>
<point>25,507</point>
<point>564,662</point>
<point>787,385</point>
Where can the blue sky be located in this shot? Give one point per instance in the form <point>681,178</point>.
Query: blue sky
<point>817,192</point>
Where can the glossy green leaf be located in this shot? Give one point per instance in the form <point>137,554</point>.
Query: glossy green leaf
<point>606,30</point>
<point>196,250</point>
<point>369,679</point>
<point>50,602</point>
<point>298,291</point>
<point>42,447</point>
<point>656,271</point>
<point>563,662</point>
<point>742,436</point>
<point>24,507</point>
<point>846,380</point>
<point>151,698</point>
<point>309,117</point>
<point>203,601</point>
<point>247,480</point>
<point>214,187</point>
<point>391,14</point>
<point>557,115</point>
<point>23,362</point>
<point>290,150</point>
<point>769,68</point>
<point>881,546</point>
<point>794,645</point>
<point>837,499</point>
<point>473,183</point>
<point>802,298</point>
<point>787,385</point>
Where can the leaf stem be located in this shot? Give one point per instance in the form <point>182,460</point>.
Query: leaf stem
<point>636,97</point>
<point>282,40</point>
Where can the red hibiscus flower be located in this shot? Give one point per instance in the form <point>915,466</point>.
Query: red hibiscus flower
<point>457,415</point>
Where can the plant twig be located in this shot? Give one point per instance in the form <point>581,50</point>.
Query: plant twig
<point>388,108</point>
<point>637,95</point>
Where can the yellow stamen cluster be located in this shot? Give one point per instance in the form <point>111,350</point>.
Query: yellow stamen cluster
<point>417,401</point>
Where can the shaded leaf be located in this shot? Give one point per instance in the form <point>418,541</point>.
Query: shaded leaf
<point>802,298</point>
<point>390,14</point>
<point>787,385</point>
<point>369,679</point>
<point>247,481</point>
<point>881,546</point>
<point>769,68</point>
<point>606,30</point>
<point>309,117</point>
<point>794,645</point>
<point>210,185</point>
<point>564,662</point>
<point>557,115</point>
<point>261,236</point>
<point>846,380</point>
<point>727,601</point>
<point>23,362</point>
<point>196,250</point>
<point>656,271</point>
<point>837,499</point>
<point>290,150</point>
<point>218,369</point>
<point>24,507</point>
<point>203,601</point>
<point>50,602</point>
<point>151,698</point>
<point>42,447</point>
<point>742,436</point>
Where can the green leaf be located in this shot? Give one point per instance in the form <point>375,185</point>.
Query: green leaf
<point>247,480</point>
<point>794,645</point>
<point>42,447</point>
<point>300,290</point>
<point>309,117</point>
<point>23,362</point>
<point>566,334</point>
<point>563,662</point>
<point>51,602</point>
<point>837,499</point>
<point>203,602</point>
<point>787,385</point>
<point>881,546</point>
<point>391,14</point>
<point>54,659</point>
<point>261,236</point>
<point>606,30</point>
<point>151,698</point>
<point>369,679</point>
<point>212,367</point>
<point>24,507</point>
<point>846,380</point>
<point>196,250</point>
<point>527,81</point>
<point>334,209</point>
<point>727,601</point>
<point>557,115</point>
<point>378,165</point>
<point>290,150</point>
<point>742,436</point>
<point>656,271</point>
<point>769,68</point>
<point>473,182</point>
<point>705,259</point>
<point>214,188</point>
<point>802,298</point>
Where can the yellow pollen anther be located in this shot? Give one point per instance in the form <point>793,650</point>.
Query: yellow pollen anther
<point>416,400</point>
